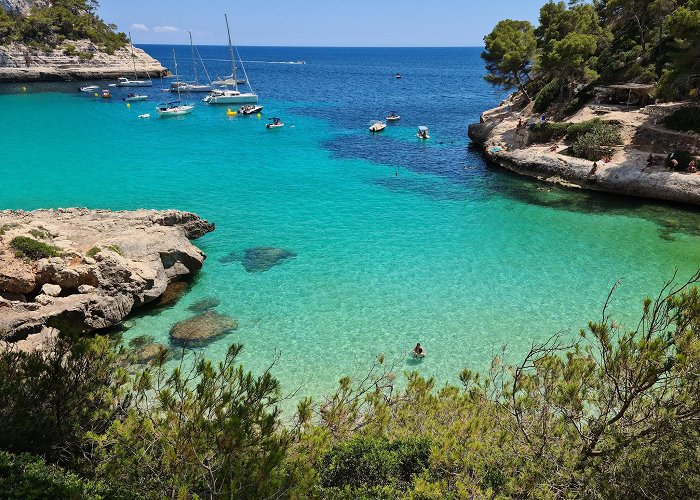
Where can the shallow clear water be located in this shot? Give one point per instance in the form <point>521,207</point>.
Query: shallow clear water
<point>451,252</point>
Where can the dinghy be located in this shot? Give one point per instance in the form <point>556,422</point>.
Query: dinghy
<point>276,123</point>
<point>90,88</point>
<point>135,98</point>
<point>250,109</point>
<point>393,117</point>
<point>423,133</point>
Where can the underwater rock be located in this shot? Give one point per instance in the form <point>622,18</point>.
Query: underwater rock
<point>261,259</point>
<point>149,353</point>
<point>204,305</point>
<point>202,328</point>
<point>230,257</point>
<point>173,292</point>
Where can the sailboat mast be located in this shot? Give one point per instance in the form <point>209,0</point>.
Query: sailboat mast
<point>194,61</point>
<point>177,79</point>
<point>230,51</point>
<point>133,57</point>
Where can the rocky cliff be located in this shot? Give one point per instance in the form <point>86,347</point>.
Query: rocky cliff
<point>506,141</point>
<point>79,270</point>
<point>22,6</point>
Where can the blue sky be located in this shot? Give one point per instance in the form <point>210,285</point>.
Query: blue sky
<point>403,23</point>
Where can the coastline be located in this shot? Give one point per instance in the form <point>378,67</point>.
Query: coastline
<point>20,63</point>
<point>505,144</point>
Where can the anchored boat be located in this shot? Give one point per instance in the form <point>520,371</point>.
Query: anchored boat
<point>126,82</point>
<point>377,126</point>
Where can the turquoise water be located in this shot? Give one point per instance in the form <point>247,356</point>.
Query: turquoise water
<point>450,252</point>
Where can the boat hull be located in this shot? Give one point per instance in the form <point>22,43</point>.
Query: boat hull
<point>232,99</point>
<point>134,83</point>
<point>177,111</point>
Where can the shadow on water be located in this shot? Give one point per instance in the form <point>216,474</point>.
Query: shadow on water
<point>669,217</point>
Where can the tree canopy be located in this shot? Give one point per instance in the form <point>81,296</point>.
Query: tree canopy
<point>508,55</point>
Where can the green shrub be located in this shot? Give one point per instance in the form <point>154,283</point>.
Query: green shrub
<point>548,131</point>
<point>6,227</point>
<point>371,462</point>
<point>684,119</point>
<point>39,233</point>
<point>85,55</point>
<point>70,50</point>
<point>34,249</point>
<point>579,100</point>
<point>115,249</point>
<point>593,139</point>
<point>546,96</point>
<point>93,251</point>
<point>26,476</point>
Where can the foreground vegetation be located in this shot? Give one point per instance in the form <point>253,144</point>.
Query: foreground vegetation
<point>604,41</point>
<point>64,20</point>
<point>613,414</point>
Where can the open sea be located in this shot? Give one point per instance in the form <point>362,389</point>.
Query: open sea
<point>396,240</point>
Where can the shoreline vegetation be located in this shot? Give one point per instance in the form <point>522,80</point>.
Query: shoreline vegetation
<point>611,415</point>
<point>65,40</point>
<point>628,65</point>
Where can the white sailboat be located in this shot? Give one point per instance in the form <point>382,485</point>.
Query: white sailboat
<point>126,82</point>
<point>232,95</point>
<point>195,86</point>
<point>174,108</point>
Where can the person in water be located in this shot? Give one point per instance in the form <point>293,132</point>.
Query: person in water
<point>418,351</point>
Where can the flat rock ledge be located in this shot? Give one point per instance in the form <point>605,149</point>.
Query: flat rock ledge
<point>627,173</point>
<point>110,263</point>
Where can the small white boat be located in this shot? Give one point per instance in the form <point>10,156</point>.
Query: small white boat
<point>175,108</point>
<point>398,76</point>
<point>377,126</point>
<point>196,87</point>
<point>393,117</point>
<point>135,98</point>
<point>229,96</point>
<point>90,88</point>
<point>125,82</point>
<point>250,109</point>
<point>422,133</point>
<point>276,123</point>
<point>144,116</point>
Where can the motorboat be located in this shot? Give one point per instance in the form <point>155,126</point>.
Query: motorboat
<point>90,88</point>
<point>377,126</point>
<point>393,117</point>
<point>145,116</point>
<point>125,82</point>
<point>106,94</point>
<point>136,97</point>
<point>230,96</point>
<point>423,132</point>
<point>250,109</point>
<point>398,76</point>
<point>174,108</point>
<point>276,123</point>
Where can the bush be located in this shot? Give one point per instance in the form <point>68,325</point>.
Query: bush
<point>371,462</point>
<point>593,139</point>
<point>70,50</point>
<point>579,100</point>
<point>93,251</point>
<point>34,249</point>
<point>546,96</point>
<point>26,476</point>
<point>85,55</point>
<point>684,119</point>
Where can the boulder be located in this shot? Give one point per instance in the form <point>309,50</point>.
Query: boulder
<point>149,353</point>
<point>86,289</point>
<point>51,290</point>
<point>172,293</point>
<point>202,328</point>
<point>261,259</point>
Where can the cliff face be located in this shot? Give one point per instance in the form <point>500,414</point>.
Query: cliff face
<point>105,265</point>
<point>19,63</point>
<point>22,6</point>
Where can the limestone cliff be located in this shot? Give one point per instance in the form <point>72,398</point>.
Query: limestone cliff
<point>106,264</point>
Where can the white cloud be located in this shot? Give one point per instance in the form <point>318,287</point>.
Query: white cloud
<point>138,27</point>
<point>166,29</point>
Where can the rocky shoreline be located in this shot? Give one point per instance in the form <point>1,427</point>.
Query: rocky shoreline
<point>506,144</point>
<point>20,63</point>
<point>97,267</point>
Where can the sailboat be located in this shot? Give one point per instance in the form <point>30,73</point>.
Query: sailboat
<point>125,82</point>
<point>196,86</point>
<point>233,95</point>
<point>174,108</point>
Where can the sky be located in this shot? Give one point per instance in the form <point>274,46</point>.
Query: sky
<point>323,23</point>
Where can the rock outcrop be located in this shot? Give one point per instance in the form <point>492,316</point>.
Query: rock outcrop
<point>201,329</point>
<point>70,61</point>
<point>110,263</point>
<point>628,172</point>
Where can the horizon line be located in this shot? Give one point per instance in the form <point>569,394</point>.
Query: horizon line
<point>327,46</point>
